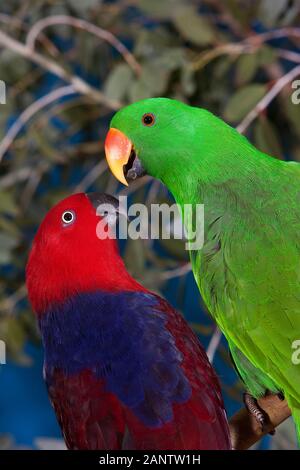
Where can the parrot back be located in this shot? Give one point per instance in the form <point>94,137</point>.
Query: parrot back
<point>124,371</point>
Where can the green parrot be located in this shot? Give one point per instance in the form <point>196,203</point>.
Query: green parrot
<point>248,269</point>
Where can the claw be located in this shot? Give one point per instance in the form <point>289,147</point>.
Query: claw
<point>254,409</point>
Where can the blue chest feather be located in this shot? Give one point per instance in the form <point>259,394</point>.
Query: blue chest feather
<point>123,339</point>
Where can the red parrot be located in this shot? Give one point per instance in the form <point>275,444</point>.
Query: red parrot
<point>122,367</point>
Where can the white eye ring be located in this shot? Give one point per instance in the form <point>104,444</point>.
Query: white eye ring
<point>68,217</point>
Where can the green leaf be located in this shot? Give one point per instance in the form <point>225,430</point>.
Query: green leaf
<point>159,9</point>
<point>12,66</point>
<point>266,55</point>
<point>243,101</point>
<point>243,12</point>
<point>152,43</point>
<point>42,141</point>
<point>266,137</point>
<point>270,11</point>
<point>172,58</point>
<point>118,82</point>
<point>7,244</point>
<point>152,82</point>
<point>12,333</point>
<point>83,5</point>
<point>188,81</point>
<point>155,75</point>
<point>246,68</point>
<point>8,204</point>
<point>223,66</point>
<point>193,27</point>
<point>9,226</point>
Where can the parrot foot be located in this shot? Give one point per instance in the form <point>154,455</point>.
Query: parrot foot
<point>254,409</point>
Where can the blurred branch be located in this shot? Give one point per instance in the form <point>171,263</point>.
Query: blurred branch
<point>266,100</point>
<point>10,302</point>
<point>177,272</point>
<point>15,177</point>
<point>79,85</point>
<point>231,49</point>
<point>289,55</point>
<point>137,184</point>
<point>101,33</point>
<point>91,177</point>
<point>30,111</point>
<point>17,23</point>
<point>249,45</point>
<point>275,34</point>
<point>26,81</point>
<point>226,16</point>
<point>245,431</point>
<point>153,192</point>
<point>214,344</point>
<point>30,188</point>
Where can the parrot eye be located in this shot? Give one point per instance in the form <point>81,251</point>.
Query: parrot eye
<point>68,217</point>
<point>148,119</point>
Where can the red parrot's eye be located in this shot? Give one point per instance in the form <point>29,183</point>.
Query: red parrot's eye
<point>148,119</point>
<point>68,217</point>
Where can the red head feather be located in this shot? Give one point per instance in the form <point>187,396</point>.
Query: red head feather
<point>67,256</point>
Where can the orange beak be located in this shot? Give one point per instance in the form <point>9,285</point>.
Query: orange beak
<point>117,151</point>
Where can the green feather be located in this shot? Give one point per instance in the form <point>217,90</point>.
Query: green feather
<point>248,270</point>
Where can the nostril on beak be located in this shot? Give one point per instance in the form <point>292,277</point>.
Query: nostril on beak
<point>136,170</point>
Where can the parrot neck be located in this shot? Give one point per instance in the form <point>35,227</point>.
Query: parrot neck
<point>98,268</point>
<point>234,168</point>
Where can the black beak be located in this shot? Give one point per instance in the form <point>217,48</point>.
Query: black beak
<point>106,203</point>
<point>97,199</point>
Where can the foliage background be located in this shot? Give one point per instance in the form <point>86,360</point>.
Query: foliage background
<point>208,53</point>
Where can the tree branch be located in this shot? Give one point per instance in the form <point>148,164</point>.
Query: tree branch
<point>286,32</point>
<point>249,45</point>
<point>91,177</point>
<point>30,111</point>
<point>8,305</point>
<point>214,344</point>
<point>245,430</point>
<point>266,100</point>
<point>176,272</point>
<point>79,85</point>
<point>17,23</point>
<point>101,33</point>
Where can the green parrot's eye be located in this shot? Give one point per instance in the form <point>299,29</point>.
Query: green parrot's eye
<point>148,119</point>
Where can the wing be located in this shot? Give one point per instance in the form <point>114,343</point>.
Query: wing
<point>256,382</point>
<point>249,274</point>
<point>203,423</point>
<point>150,363</point>
<point>90,418</point>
